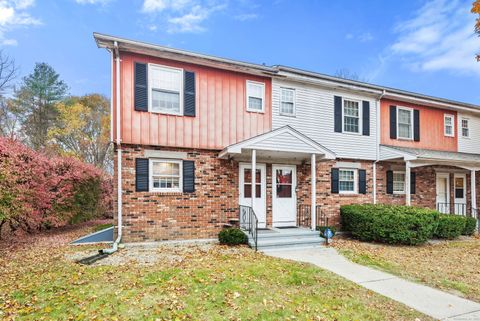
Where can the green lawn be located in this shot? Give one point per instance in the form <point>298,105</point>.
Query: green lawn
<point>187,282</point>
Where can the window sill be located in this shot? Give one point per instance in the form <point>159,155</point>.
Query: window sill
<point>405,139</point>
<point>165,113</point>
<point>351,133</point>
<point>288,115</point>
<point>255,111</point>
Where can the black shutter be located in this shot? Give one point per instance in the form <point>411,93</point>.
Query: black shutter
<point>188,176</point>
<point>141,174</point>
<point>338,113</point>
<point>413,178</point>
<point>189,94</point>
<point>366,117</point>
<point>141,88</point>
<point>362,181</point>
<point>389,182</point>
<point>393,122</point>
<point>416,125</point>
<point>335,180</point>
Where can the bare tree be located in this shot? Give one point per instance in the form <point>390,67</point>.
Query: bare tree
<point>9,120</point>
<point>347,74</point>
<point>8,71</point>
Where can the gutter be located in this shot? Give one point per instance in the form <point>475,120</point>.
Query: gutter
<point>114,248</point>
<point>378,106</point>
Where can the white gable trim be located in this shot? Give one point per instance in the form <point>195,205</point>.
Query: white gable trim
<point>309,146</point>
<point>387,153</point>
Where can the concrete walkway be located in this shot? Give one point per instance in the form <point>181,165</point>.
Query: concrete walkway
<point>435,303</point>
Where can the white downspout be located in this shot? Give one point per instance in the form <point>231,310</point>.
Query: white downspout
<point>378,108</point>
<point>119,149</point>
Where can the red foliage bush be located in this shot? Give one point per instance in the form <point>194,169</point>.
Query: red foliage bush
<point>37,191</point>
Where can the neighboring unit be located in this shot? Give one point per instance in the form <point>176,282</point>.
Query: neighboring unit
<point>202,142</point>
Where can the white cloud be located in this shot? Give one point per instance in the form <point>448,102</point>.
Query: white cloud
<point>246,16</point>
<point>100,2</point>
<point>13,15</point>
<point>181,15</point>
<point>362,37</point>
<point>440,36</point>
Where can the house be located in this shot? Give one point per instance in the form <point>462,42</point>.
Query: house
<point>190,129</point>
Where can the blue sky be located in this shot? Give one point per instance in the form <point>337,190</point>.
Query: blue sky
<point>426,46</point>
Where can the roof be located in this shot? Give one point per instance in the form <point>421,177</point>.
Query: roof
<point>108,42</point>
<point>407,153</point>
<point>284,139</point>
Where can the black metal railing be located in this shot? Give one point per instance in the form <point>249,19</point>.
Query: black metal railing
<point>304,216</point>
<point>249,222</point>
<point>454,208</point>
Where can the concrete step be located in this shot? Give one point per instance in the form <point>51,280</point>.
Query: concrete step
<point>286,242</point>
<point>287,234</point>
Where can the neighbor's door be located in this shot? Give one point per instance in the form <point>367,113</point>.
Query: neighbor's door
<point>260,190</point>
<point>443,195</point>
<point>284,202</point>
<point>460,190</point>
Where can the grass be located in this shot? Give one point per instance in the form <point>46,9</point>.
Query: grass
<point>449,265</point>
<point>100,227</point>
<point>200,283</point>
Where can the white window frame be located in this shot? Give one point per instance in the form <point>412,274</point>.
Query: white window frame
<point>256,83</point>
<point>468,127</point>
<point>404,182</point>
<point>452,124</point>
<point>411,122</point>
<point>151,68</point>
<point>355,181</point>
<point>150,175</point>
<point>360,116</point>
<point>294,95</point>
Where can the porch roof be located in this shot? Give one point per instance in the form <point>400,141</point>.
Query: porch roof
<point>283,142</point>
<point>433,157</point>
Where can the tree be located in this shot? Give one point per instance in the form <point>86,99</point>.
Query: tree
<point>8,72</point>
<point>35,103</point>
<point>8,118</point>
<point>347,74</point>
<point>82,129</point>
<point>476,10</point>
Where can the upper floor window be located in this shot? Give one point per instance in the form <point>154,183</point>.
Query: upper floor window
<point>465,128</point>
<point>255,96</point>
<point>165,87</point>
<point>405,123</point>
<point>449,122</point>
<point>287,101</point>
<point>347,180</point>
<point>165,175</point>
<point>399,182</point>
<point>351,116</point>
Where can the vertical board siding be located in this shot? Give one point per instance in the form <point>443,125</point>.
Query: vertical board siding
<point>471,144</point>
<point>221,117</point>
<point>314,117</point>
<point>431,128</point>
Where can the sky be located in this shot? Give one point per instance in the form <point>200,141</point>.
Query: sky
<point>425,46</point>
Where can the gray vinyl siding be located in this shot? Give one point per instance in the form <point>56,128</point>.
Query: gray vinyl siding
<point>314,117</point>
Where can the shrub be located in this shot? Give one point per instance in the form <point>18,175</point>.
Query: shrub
<point>449,226</point>
<point>232,236</point>
<point>470,225</point>
<point>323,228</point>
<point>389,223</point>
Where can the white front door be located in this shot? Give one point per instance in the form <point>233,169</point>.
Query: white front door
<point>260,191</point>
<point>460,190</point>
<point>443,195</point>
<point>284,198</point>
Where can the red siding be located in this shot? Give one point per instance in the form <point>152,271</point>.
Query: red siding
<point>221,116</point>
<point>431,128</point>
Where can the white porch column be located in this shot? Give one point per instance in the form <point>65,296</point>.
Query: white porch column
<point>254,174</point>
<point>407,184</point>
<point>473,191</point>
<point>314,181</point>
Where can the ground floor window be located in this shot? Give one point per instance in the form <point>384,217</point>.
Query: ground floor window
<point>399,182</point>
<point>165,175</point>
<point>346,180</point>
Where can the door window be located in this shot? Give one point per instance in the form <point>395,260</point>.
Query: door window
<point>247,185</point>
<point>459,187</point>
<point>284,183</point>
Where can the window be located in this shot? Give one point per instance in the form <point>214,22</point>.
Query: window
<point>346,180</point>
<point>284,183</point>
<point>465,129</point>
<point>287,101</point>
<point>255,96</point>
<point>247,183</point>
<point>449,122</point>
<point>351,116</point>
<point>398,182</point>
<point>405,123</point>
<point>166,89</point>
<point>165,175</point>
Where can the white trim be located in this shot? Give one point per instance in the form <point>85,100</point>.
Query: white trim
<point>355,181</point>
<point>165,190</point>
<point>151,153</point>
<point>360,116</point>
<point>294,93</point>
<point>447,176</point>
<point>452,124</point>
<point>350,165</point>
<point>409,109</point>
<point>262,220</point>
<point>404,183</point>
<point>293,222</point>
<point>464,198</point>
<point>150,96</point>
<point>468,127</point>
<point>247,92</point>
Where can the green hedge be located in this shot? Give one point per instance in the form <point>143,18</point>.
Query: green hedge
<point>402,224</point>
<point>232,236</point>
